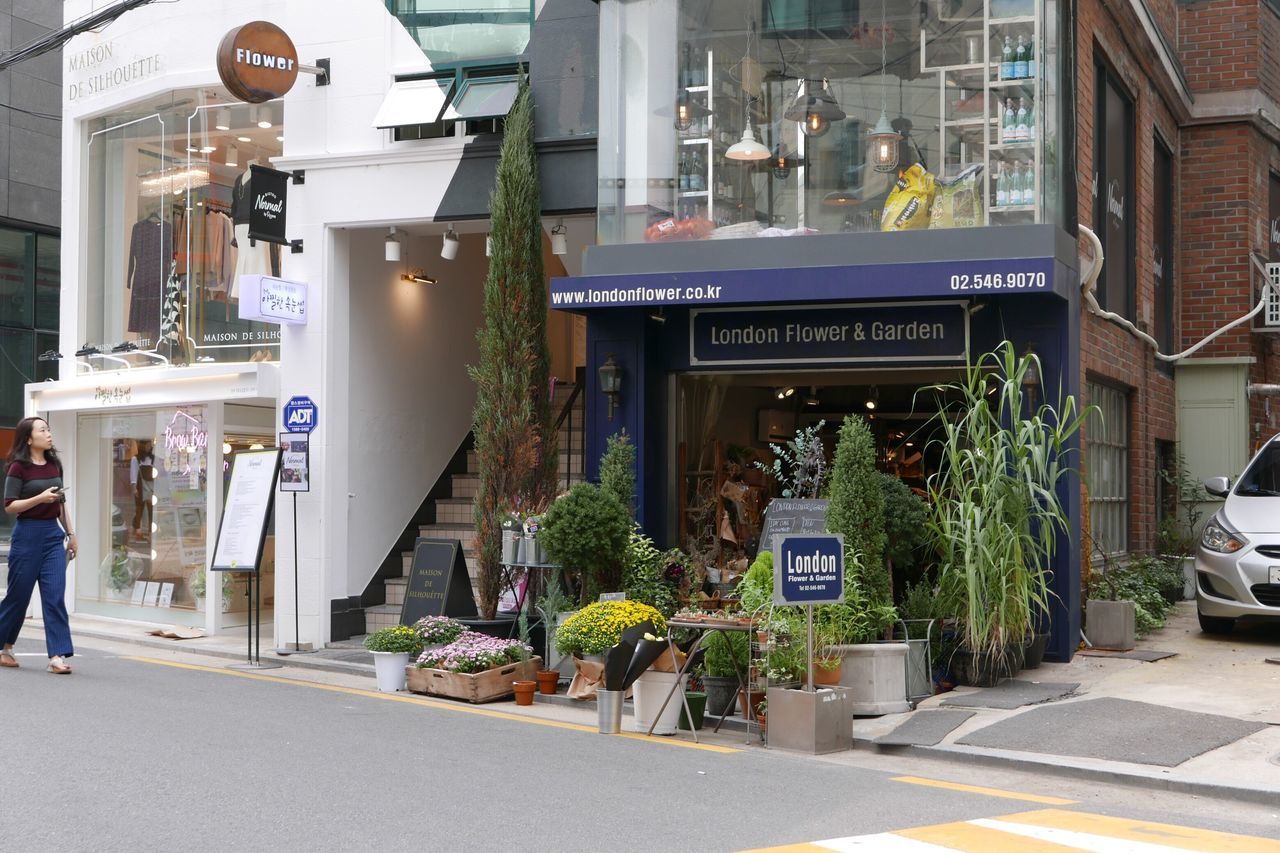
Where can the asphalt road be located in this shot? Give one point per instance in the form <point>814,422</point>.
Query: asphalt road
<point>135,755</point>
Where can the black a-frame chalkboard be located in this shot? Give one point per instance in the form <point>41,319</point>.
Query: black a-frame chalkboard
<point>438,582</point>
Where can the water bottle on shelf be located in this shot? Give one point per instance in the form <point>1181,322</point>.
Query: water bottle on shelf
<point>1031,58</point>
<point>696,180</point>
<point>1020,122</point>
<point>684,170</point>
<point>1031,122</point>
<point>1002,186</point>
<point>1006,59</point>
<point>1008,127</point>
<point>1029,186</point>
<point>1020,53</point>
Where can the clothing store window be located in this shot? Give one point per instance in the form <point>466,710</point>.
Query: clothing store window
<point>148,538</point>
<point>1107,469</point>
<point>167,226</point>
<point>794,117</point>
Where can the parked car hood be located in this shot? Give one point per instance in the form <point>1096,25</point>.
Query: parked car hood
<point>1253,515</point>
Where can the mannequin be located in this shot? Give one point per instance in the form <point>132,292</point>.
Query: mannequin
<point>252,257</point>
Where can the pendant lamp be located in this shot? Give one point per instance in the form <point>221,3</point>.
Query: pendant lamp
<point>883,138</point>
<point>781,163</point>
<point>814,112</point>
<point>747,148</point>
<point>688,110</point>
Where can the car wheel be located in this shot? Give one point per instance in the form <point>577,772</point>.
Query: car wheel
<point>1215,624</point>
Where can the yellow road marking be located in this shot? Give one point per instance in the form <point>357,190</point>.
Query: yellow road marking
<point>979,839</point>
<point>1125,829</point>
<point>431,703</point>
<point>988,792</point>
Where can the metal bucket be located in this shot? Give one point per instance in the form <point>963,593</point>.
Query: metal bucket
<point>609,710</point>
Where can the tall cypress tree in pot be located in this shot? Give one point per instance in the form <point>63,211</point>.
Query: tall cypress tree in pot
<point>514,438</point>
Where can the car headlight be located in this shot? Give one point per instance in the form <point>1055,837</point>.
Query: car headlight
<point>1217,538</point>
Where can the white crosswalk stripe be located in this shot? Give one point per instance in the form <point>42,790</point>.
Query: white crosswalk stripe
<point>1076,839</point>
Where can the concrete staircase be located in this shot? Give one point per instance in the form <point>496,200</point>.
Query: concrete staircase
<point>453,519</point>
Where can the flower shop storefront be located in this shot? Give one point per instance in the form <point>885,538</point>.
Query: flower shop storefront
<point>705,361</point>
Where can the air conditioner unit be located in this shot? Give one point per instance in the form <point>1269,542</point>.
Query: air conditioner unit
<point>1271,313</point>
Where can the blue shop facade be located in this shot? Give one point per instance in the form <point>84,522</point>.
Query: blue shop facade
<point>813,210</point>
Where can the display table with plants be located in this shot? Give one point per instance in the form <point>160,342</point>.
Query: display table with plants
<point>474,667</point>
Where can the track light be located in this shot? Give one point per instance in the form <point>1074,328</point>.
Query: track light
<point>223,119</point>
<point>784,392</point>
<point>417,277</point>
<point>559,243</point>
<point>264,117</point>
<point>658,316</point>
<point>811,399</point>
<point>873,399</point>
<point>449,250</point>
<point>392,247</point>
<point>233,156</point>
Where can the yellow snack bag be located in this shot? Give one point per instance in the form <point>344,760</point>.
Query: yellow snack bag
<point>909,202</point>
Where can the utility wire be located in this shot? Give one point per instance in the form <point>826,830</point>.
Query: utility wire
<point>55,39</point>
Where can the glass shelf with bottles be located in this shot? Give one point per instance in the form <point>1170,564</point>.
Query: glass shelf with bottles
<point>1014,123</point>
<point>1014,187</point>
<point>1014,54</point>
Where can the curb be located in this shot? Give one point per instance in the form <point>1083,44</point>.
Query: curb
<point>1115,776</point>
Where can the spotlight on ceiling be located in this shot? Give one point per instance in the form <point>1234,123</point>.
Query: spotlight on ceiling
<point>873,399</point>
<point>811,399</point>
<point>392,253</point>
<point>264,117</point>
<point>223,119</point>
<point>449,250</point>
<point>784,392</point>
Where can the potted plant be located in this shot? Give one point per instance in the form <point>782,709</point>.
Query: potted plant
<point>586,531</point>
<point>995,514</point>
<point>720,683</point>
<point>437,631</point>
<point>598,627</point>
<point>1178,534</point>
<point>392,648</point>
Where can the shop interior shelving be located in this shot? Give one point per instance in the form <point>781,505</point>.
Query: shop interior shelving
<point>971,101</point>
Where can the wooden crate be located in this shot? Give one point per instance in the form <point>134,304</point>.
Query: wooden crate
<point>477,687</point>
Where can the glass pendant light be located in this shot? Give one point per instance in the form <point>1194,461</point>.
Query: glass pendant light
<point>883,138</point>
<point>781,164</point>
<point>814,112</point>
<point>688,110</point>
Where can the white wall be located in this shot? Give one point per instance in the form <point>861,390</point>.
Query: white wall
<point>410,397</point>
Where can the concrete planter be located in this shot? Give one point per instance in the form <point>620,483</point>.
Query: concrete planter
<point>817,722</point>
<point>876,675</point>
<point>1111,624</point>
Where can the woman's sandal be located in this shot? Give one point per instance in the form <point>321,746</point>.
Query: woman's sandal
<point>7,659</point>
<point>58,666</point>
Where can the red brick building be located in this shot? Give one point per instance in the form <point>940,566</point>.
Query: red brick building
<point>1178,166</point>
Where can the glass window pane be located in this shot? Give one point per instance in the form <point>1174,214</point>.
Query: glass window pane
<point>48,280</point>
<point>46,342</point>
<point>486,98</point>
<point>17,368</point>
<point>452,31</point>
<point>17,260</point>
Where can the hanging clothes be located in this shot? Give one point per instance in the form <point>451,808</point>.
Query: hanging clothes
<point>219,266</point>
<point>150,253</point>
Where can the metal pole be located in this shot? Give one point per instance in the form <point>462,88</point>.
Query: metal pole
<point>808,618</point>
<point>297,631</point>
<point>257,633</point>
<point>248,631</point>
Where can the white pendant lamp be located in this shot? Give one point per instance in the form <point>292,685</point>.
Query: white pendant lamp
<point>392,247</point>
<point>559,241</point>
<point>449,250</point>
<point>747,148</point>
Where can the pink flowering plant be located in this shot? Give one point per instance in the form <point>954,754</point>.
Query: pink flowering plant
<point>474,652</point>
<point>438,630</point>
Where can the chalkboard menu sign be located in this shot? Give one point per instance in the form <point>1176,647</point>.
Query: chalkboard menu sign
<point>787,515</point>
<point>438,582</point>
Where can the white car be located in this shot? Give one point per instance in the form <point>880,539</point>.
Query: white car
<point>1238,561</point>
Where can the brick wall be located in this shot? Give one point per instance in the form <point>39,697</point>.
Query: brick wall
<point>1219,42</point>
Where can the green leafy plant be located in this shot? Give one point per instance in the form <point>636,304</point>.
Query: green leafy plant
<point>618,470</point>
<point>722,650</point>
<point>800,465</point>
<point>587,531</point>
<point>399,639</point>
<point>645,579</point>
<point>515,440</point>
<point>994,513</point>
<point>905,518</point>
<point>755,590</point>
<point>1144,580</point>
<point>856,508</point>
<point>1178,534</point>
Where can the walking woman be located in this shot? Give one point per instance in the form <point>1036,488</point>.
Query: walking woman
<point>41,544</point>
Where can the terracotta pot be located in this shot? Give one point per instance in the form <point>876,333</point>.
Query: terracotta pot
<point>746,702</point>
<point>823,676</point>
<point>524,691</point>
<point>548,679</point>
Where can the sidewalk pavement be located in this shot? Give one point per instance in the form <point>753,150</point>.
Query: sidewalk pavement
<point>1205,721</point>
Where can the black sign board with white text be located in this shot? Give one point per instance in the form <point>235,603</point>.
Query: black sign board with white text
<point>789,515</point>
<point>268,204</point>
<point>438,582</point>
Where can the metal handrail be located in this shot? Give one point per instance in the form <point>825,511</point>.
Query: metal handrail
<point>566,412</point>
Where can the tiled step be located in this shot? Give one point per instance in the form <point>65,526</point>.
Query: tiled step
<point>395,590</point>
<point>454,510</point>
<point>381,616</point>
<point>465,532</point>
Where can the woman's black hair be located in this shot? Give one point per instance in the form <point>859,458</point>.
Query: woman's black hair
<point>21,450</point>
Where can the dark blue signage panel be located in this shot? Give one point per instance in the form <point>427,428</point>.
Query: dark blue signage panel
<point>808,569</point>
<point>811,334</point>
<point>301,414</point>
<point>952,279</point>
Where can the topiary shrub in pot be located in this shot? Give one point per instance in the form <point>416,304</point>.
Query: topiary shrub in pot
<point>586,531</point>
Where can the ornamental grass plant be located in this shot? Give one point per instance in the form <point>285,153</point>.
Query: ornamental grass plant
<point>994,511</point>
<point>598,627</point>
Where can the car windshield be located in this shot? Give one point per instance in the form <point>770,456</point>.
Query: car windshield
<point>1262,479</point>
